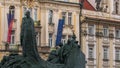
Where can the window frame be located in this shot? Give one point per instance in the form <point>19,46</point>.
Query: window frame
<point>38,38</point>
<point>35,14</point>
<point>12,41</point>
<point>69,18</point>
<point>117,54</point>
<point>30,9</point>
<point>117,35</point>
<point>91,53</point>
<point>50,16</point>
<point>63,40</point>
<point>105,53</point>
<point>24,11</point>
<point>50,43</point>
<point>105,31</point>
<point>64,17</point>
<point>91,29</point>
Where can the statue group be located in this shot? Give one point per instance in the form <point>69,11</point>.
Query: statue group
<point>66,56</point>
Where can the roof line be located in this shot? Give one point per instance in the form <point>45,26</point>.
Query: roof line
<point>90,4</point>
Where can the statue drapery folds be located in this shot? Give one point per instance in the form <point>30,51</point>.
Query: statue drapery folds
<point>28,39</point>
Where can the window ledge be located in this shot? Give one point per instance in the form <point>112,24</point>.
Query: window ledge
<point>91,59</point>
<point>52,24</point>
<point>117,60</point>
<point>117,38</point>
<point>68,25</point>
<point>91,34</point>
<point>105,59</point>
<point>105,36</point>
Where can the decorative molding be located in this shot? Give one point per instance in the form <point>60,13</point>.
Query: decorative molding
<point>60,7</point>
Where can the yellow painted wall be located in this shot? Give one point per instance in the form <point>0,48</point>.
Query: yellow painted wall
<point>21,13</point>
<point>39,14</point>
<point>60,15</point>
<point>0,27</point>
<point>74,23</point>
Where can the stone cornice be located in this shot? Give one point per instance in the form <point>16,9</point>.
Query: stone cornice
<point>102,16</point>
<point>8,3</point>
<point>58,6</point>
<point>60,2</point>
<point>102,21</point>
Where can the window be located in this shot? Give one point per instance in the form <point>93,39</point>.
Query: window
<point>91,29</point>
<point>117,54</point>
<point>69,18</point>
<point>50,39</point>
<point>64,16</point>
<point>50,16</point>
<point>90,52</point>
<point>105,52</point>
<point>24,11</point>
<point>12,36</point>
<point>105,31</point>
<point>30,9</point>
<point>63,39</point>
<point>37,38</point>
<point>117,33</point>
<point>12,41</point>
<point>65,0</point>
<point>35,14</point>
<point>116,7</point>
<point>12,9</point>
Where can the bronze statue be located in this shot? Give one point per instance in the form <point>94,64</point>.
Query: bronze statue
<point>67,56</point>
<point>27,37</point>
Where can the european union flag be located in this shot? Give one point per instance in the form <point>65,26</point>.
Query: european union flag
<point>59,31</point>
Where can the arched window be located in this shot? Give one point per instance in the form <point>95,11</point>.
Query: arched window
<point>30,9</point>
<point>35,14</point>
<point>50,16</point>
<point>12,10</point>
<point>11,31</point>
<point>116,6</point>
<point>24,10</point>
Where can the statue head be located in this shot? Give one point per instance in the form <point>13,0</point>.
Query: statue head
<point>27,13</point>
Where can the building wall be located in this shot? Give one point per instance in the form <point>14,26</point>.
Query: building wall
<point>99,42</point>
<point>99,19</point>
<point>0,27</point>
<point>57,14</point>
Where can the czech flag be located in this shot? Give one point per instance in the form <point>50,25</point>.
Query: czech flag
<point>10,18</point>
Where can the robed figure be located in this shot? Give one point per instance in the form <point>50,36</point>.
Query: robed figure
<point>27,37</point>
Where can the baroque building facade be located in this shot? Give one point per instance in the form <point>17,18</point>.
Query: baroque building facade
<point>100,29</point>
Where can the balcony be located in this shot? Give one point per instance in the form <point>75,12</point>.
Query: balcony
<point>12,48</point>
<point>37,23</point>
<point>68,25</point>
